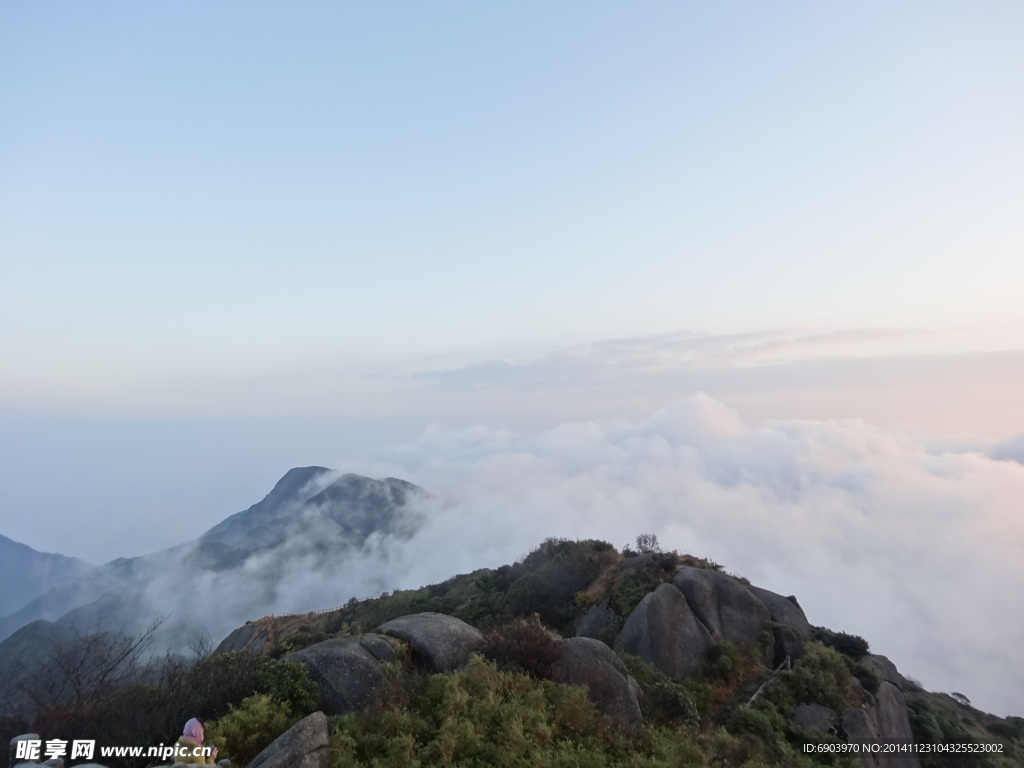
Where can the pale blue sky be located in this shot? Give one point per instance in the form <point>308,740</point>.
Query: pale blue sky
<point>218,190</point>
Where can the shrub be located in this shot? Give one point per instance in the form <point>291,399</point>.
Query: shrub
<point>482,716</point>
<point>1010,728</point>
<point>296,641</point>
<point>548,578</point>
<point>647,542</point>
<point>867,676</point>
<point>248,729</point>
<point>523,645</point>
<point>633,585</point>
<point>849,645</point>
<point>664,700</point>
<point>290,682</point>
<point>819,676</point>
<point>220,681</point>
<point>721,661</point>
<point>754,722</point>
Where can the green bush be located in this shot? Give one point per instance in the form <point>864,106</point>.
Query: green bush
<point>481,717</point>
<point>545,582</point>
<point>290,682</point>
<point>664,700</point>
<point>633,585</point>
<point>819,676</point>
<point>755,722</point>
<point>248,729</point>
<point>849,645</point>
<point>937,719</point>
<point>548,578</point>
<point>721,660</point>
<point>224,680</point>
<point>867,676</point>
<point>296,641</point>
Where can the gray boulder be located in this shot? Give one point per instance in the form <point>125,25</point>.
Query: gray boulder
<point>727,608</point>
<point>252,636</point>
<point>439,642</point>
<point>304,745</point>
<point>885,670</point>
<point>894,723</point>
<point>860,724</point>
<point>663,631</point>
<point>794,631</point>
<point>14,760</point>
<point>814,717</point>
<point>887,720</point>
<point>595,666</point>
<point>599,621</point>
<point>346,670</point>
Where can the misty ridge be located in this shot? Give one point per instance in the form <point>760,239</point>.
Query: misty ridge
<point>28,574</point>
<point>277,556</point>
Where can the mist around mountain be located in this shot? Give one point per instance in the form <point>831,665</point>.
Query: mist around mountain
<point>26,574</point>
<point>255,562</point>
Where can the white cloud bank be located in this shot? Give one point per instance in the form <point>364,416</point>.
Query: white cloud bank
<point>916,545</point>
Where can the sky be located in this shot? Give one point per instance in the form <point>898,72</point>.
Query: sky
<point>244,237</point>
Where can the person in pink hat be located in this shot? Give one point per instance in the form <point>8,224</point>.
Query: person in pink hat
<point>191,739</point>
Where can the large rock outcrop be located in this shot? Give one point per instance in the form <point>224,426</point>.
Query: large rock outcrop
<point>304,745</point>
<point>814,717</point>
<point>346,670</point>
<point>885,670</point>
<point>252,636</point>
<point>663,631</point>
<point>595,666</point>
<point>13,758</point>
<point>727,608</point>
<point>599,622</point>
<point>439,643</point>
<point>886,720</point>
<point>793,631</point>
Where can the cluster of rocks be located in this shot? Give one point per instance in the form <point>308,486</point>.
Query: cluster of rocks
<point>675,626</point>
<point>348,675</point>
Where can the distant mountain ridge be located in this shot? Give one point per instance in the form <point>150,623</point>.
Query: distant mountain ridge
<point>26,573</point>
<point>288,489</point>
<point>311,516</point>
